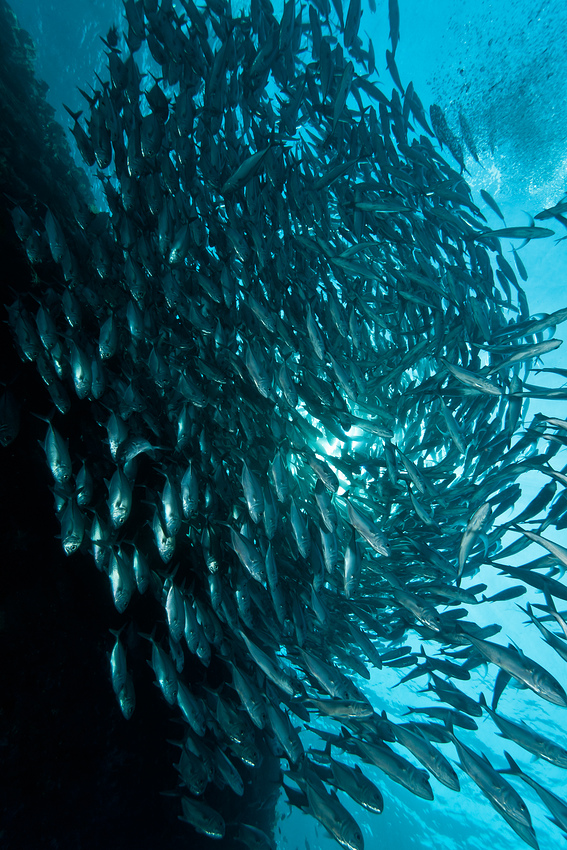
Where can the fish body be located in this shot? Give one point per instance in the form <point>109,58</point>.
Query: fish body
<point>342,708</point>
<point>353,564</point>
<point>202,817</point>
<point>525,233</point>
<point>119,498</point>
<point>172,509</point>
<point>121,580</point>
<point>280,477</point>
<point>175,612</point>
<point>248,555</point>
<point>368,530</point>
<point>280,677</point>
<point>189,491</point>
<point>394,18</point>
<point>522,668</point>
<point>554,804</point>
<point>428,755</point>
<point>57,454</point>
<point>252,493</point>
<point>356,784</point>
<point>300,530</point>
<point>165,672</point>
<point>397,768</point>
<point>529,739</point>
<point>476,524</point>
<point>72,527</point>
<point>498,790</point>
<point>335,818</point>
<point>127,698</point>
<point>118,668</point>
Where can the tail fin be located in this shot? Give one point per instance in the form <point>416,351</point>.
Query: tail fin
<point>74,115</point>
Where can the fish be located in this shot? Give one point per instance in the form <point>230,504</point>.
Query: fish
<point>522,668</point>
<point>554,804</point>
<point>164,670</point>
<point>448,692</point>
<point>285,732</point>
<point>558,551</point>
<point>394,18</point>
<point>57,455</point>
<point>445,134</point>
<point>503,797</point>
<point>119,498</point>
<point>489,200</point>
<point>525,233</point>
<point>72,527</point>
<point>368,530</point>
<point>475,526</point>
<point>414,741</point>
<point>250,697</point>
<point>256,838</point>
<point>341,708</point>
<point>118,668</point>
<point>448,715</point>
<point>326,807</point>
<point>357,785</point>
<point>202,817</point>
<point>288,341</point>
<point>470,379</point>
<point>527,738</point>
<point>468,138</point>
<point>397,768</point>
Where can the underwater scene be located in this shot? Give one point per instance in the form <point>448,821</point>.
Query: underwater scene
<point>283,424</point>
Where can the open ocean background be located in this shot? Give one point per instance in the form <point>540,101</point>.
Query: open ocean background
<point>501,65</point>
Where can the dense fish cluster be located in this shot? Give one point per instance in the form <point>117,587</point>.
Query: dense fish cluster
<point>304,365</point>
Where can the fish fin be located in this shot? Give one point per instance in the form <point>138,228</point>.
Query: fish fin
<point>502,680</point>
<point>149,637</point>
<point>513,766</point>
<point>549,599</point>
<point>91,100</point>
<point>74,115</point>
<point>486,541</point>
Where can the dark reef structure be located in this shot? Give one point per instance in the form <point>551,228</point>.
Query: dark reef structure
<point>285,376</point>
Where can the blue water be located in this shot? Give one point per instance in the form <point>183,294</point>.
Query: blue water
<point>502,65</point>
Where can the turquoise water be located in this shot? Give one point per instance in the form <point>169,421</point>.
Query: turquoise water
<point>500,65</point>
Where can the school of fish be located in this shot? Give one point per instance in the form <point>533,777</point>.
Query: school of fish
<point>305,363</point>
